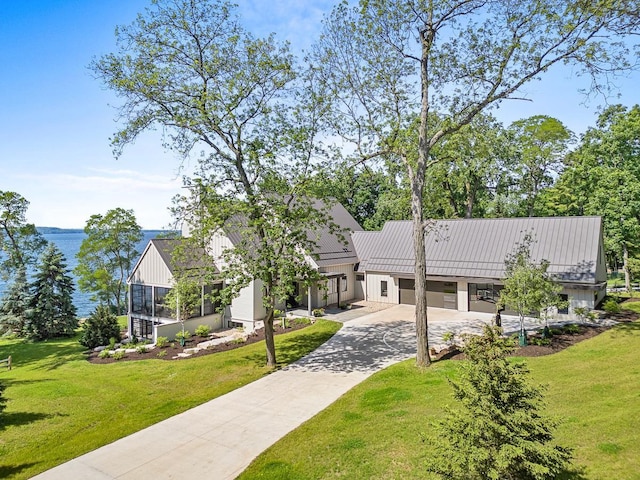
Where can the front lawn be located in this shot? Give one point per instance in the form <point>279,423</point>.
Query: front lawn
<point>60,406</point>
<point>380,429</point>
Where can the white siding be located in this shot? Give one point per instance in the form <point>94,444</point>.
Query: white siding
<point>169,330</point>
<point>151,270</point>
<point>347,271</point>
<point>247,306</point>
<point>219,243</point>
<point>463,296</point>
<point>373,288</point>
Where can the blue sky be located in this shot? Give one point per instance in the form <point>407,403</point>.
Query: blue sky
<point>56,120</point>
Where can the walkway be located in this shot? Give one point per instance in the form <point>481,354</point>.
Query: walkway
<point>221,437</point>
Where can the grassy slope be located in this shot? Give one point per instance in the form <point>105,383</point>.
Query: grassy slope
<point>60,406</point>
<point>379,430</point>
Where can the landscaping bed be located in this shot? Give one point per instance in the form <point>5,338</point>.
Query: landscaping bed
<point>173,349</point>
<point>561,338</point>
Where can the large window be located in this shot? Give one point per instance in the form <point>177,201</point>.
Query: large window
<point>161,308</point>
<point>211,298</point>
<point>383,288</point>
<point>343,284</point>
<point>142,328</point>
<point>333,285</point>
<point>564,309</point>
<point>141,299</point>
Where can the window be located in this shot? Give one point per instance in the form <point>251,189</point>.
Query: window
<point>359,277</point>
<point>564,309</point>
<point>211,298</point>
<point>343,284</point>
<point>142,328</point>
<point>383,288</point>
<point>333,285</point>
<point>161,309</point>
<point>141,299</point>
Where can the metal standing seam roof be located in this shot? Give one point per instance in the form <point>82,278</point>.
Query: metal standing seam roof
<point>331,249</point>
<point>478,247</point>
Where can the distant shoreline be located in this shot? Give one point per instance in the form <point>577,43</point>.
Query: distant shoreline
<point>56,230</point>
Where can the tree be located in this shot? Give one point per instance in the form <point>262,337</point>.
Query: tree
<point>20,242</point>
<point>184,299</point>
<point>15,304</point>
<point>528,288</point>
<point>388,67</point>
<point>541,143</point>
<point>100,328</point>
<point>107,255</point>
<point>498,431</point>
<point>51,310</point>
<point>190,68</point>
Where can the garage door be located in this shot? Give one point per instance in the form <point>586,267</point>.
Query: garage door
<point>407,291</point>
<point>442,295</point>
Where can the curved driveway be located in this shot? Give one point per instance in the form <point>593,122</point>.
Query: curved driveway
<point>221,437</point>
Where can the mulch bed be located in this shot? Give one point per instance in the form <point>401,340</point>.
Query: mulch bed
<point>557,342</point>
<point>174,348</point>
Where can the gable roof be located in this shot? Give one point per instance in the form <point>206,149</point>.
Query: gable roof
<point>333,248</point>
<point>477,248</point>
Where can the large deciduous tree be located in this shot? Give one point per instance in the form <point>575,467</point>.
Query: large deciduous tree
<point>389,66</point>
<point>603,178</point>
<point>51,310</point>
<point>20,242</point>
<point>107,255</point>
<point>540,146</point>
<point>190,68</point>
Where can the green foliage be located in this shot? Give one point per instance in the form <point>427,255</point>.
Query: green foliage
<point>15,304</point>
<point>162,342</point>
<point>119,354</point>
<point>448,337</point>
<point>141,349</point>
<point>20,242</point>
<point>101,328</point>
<point>528,289</point>
<point>161,354</point>
<point>51,310</point>
<point>202,330</point>
<point>184,298</point>
<point>106,353</point>
<point>611,306</point>
<point>183,335</point>
<point>498,431</point>
<point>571,329</point>
<point>107,255</point>
<point>318,312</point>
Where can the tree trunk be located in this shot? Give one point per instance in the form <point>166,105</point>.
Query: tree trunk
<point>422,353</point>
<point>269,340</point>
<point>471,188</point>
<point>625,267</point>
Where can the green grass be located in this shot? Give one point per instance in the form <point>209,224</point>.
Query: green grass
<point>60,406</point>
<point>380,429</point>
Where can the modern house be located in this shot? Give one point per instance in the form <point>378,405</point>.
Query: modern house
<point>465,266</point>
<point>153,275</point>
<point>466,260</point>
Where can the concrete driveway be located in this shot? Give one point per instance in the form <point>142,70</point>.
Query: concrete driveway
<point>220,438</point>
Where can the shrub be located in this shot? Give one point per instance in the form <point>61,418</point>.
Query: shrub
<point>203,330</point>
<point>101,328</point>
<point>119,355</point>
<point>161,354</point>
<point>104,354</point>
<point>571,329</point>
<point>141,349</point>
<point>449,338</point>
<point>162,342</point>
<point>277,313</point>
<point>112,343</point>
<point>318,312</point>
<point>611,306</point>
<point>183,335</point>
<point>499,430</point>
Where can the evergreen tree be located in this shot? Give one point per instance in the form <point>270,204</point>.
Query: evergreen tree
<point>52,313</point>
<point>15,303</point>
<point>100,327</point>
<point>499,432</point>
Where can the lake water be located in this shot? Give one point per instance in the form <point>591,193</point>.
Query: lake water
<point>69,245</point>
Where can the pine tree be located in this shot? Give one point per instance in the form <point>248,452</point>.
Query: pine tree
<point>100,327</point>
<point>14,304</point>
<point>498,433</point>
<point>52,313</point>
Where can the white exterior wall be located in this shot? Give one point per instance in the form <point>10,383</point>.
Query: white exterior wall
<point>152,270</point>
<point>169,330</point>
<point>373,288</point>
<point>349,294</point>
<point>463,296</point>
<point>247,306</point>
